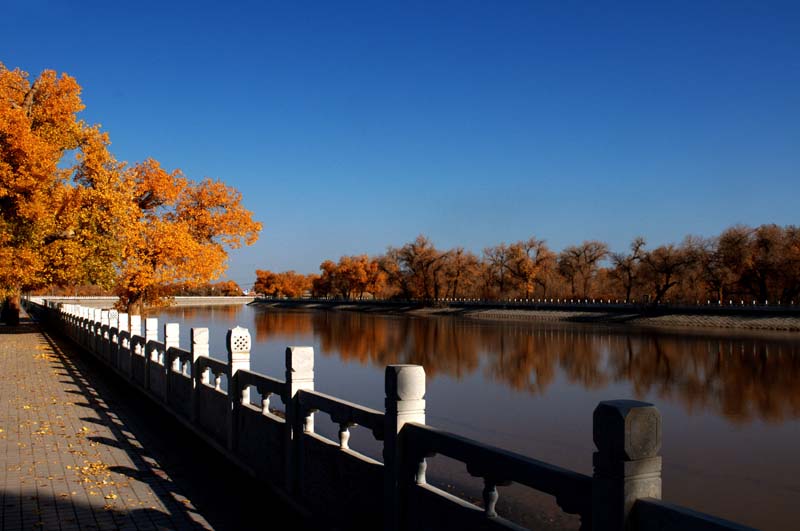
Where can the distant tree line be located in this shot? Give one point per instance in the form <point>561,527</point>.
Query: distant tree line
<point>742,264</point>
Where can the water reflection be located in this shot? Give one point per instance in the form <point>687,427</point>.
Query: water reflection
<point>743,379</point>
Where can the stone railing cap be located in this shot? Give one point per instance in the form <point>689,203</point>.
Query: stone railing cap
<point>627,429</point>
<point>405,382</point>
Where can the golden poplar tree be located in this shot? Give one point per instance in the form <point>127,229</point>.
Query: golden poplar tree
<point>179,230</point>
<point>52,168</point>
<point>71,214</point>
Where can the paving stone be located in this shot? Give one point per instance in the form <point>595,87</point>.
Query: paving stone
<point>79,451</point>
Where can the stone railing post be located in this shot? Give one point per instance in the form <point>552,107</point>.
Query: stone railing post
<point>123,323</point>
<point>627,434</point>
<point>123,343</point>
<point>150,334</point>
<point>199,339</point>
<point>136,325</point>
<point>94,332</point>
<point>113,337</point>
<point>238,344</point>
<point>135,330</point>
<point>171,339</point>
<point>405,393</point>
<point>87,322</point>
<point>78,324</point>
<point>123,357</point>
<point>150,329</point>
<point>105,320</point>
<point>299,375</point>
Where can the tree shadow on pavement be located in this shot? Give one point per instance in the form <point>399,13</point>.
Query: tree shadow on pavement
<point>176,464</point>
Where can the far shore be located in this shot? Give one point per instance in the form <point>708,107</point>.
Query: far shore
<point>108,301</point>
<point>740,318</point>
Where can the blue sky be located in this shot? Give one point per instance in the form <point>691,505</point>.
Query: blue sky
<point>350,126</point>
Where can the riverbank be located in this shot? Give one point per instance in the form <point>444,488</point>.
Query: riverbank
<point>108,302</point>
<point>775,319</point>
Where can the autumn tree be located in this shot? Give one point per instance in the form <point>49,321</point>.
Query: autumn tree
<point>73,215</point>
<point>285,284</point>
<point>461,273</point>
<point>527,261</point>
<point>663,268</point>
<point>496,259</point>
<point>266,282</point>
<point>626,266</point>
<point>352,276</point>
<point>292,284</point>
<point>579,263</point>
<point>422,267</point>
<point>227,288</point>
<point>725,259</point>
<point>56,181</point>
<point>179,230</point>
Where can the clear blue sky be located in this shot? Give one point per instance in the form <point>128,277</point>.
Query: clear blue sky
<point>350,126</point>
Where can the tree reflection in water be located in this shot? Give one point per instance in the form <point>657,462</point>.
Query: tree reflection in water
<point>743,378</point>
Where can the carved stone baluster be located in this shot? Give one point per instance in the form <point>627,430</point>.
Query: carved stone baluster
<point>422,468</point>
<point>123,325</point>
<point>344,435</point>
<point>171,339</point>
<point>150,333</point>
<point>265,402</point>
<point>218,381</point>
<point>490,497</point>
<point>308,421</point>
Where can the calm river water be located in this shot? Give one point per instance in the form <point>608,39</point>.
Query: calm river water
<point>730,401</point>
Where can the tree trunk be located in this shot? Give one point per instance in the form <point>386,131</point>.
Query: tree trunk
<point>11,308</point>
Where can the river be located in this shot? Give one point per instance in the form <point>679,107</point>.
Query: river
<point>730,400</point>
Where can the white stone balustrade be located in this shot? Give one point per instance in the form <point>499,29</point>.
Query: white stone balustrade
<point>623,493</point>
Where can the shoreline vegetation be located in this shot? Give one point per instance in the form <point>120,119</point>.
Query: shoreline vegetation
<point>783,319</point>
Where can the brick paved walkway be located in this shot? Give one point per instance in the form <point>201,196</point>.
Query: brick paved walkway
<point>81,451</point>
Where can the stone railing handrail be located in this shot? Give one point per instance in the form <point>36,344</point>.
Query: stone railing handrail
<point>345,414</point>
<point>179,360</point>
<point>156,351</point>
<point>655,515</point>
<point>213,367</point>
<point>265,385</point>
<point>498,467</point>
<point>346,488</point>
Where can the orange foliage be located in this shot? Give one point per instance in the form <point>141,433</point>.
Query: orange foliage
<point>742,264</point>
<point>70,214</point>
<point>178,231</point>
<point>55,220</point>
<point>353,276</point>
<point>227,288</point>
<point>286,284</point>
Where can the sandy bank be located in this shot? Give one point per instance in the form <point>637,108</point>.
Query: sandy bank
<point>732,318</point>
